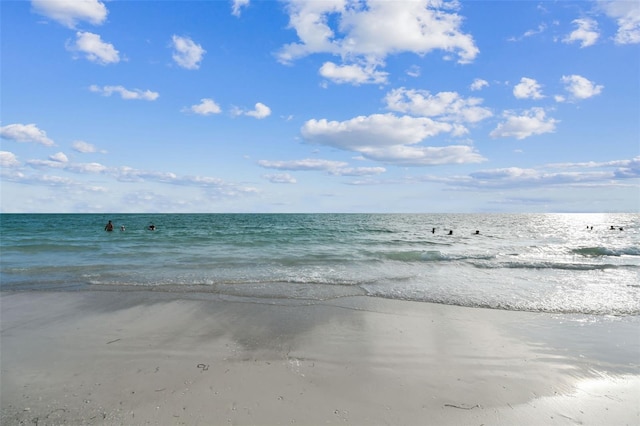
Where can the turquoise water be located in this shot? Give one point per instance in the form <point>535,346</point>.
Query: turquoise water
<point>532,262</point>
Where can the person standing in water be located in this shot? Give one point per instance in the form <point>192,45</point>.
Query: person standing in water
<point>108,227</point>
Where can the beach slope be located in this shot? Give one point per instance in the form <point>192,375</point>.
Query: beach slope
<point>150,357</point>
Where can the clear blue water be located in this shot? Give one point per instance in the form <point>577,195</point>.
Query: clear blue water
<point>532,262</point>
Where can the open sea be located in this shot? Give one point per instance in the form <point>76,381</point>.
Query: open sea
<point>559,263</point>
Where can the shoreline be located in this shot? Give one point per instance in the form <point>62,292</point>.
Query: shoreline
<point>141,357</point>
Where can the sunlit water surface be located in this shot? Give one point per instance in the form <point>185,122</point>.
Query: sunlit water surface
<point>565,263</point>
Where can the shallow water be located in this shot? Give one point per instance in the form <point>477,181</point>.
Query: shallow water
<point>531,262</point>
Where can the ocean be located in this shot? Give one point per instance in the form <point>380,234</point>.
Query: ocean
<point>557,263</point>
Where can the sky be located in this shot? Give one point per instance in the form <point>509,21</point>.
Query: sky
<point>319,106</point>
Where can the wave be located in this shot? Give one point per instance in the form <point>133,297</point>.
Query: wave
<point>553,265</point>
<point>513,305</point>
<point>599,251</point>
<point>432,256</point>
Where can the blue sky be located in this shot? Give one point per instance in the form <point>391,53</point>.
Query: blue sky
<point>320,106</point>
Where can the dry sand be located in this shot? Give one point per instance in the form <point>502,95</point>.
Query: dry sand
<point>136,358</point>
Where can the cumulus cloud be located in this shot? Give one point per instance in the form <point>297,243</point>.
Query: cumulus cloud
<point>447,106</point>
<point>479,84</point>
<point>237,6</point>
<point>94,49</point>
<point>25,133</point>
<point>70,12</point>
<point>581,88</point>
<point>146,95</point>
<point>60,157</point>
<point>627,16</point>
<point>532,122</point>
<point>528,88</point>
<point>206,106</point>
<point>367,32</point>
<point>352,74</point>
<point>8,159</point>
<point>586,33</point>
<point>187,53</point>
<point>364,132</point>
<point>260,111</point>
<point>390,139</point>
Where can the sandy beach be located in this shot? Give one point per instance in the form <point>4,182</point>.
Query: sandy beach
<point>136,358</point>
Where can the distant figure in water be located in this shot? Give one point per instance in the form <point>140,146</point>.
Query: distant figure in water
<point>433,230</point>
<point>122,228</point>
<point>612,228</point>
<point>621,229</point>
<point>451,232</point>
<point>477,232</point>
<point>152,227</point>
<point>108,227</point>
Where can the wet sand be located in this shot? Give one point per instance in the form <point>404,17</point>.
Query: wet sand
<point>135,358</point>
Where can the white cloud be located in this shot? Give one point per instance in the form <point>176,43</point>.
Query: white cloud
<point>60,157</point>
<point>358,171</point>
<point>367,32</point>
<point>541,28</point>
<point>260,111</point>
<point>8,159</point>
<point>390,139</point>
<point>305,165</point>
<point>237,6</point>
<point>361,133</point>
<point>94,49</point>
<point>25,133</point>
<point>627,15</point>
<point>131,175</point>
<point>479,84</point>
<point>586,33</point>
<point>45,164</point>
<point>625,168</point>
<point>532,122</point>
<point>352,74</point>
<point>83,147</point>
<point>146,95</point>
<point>70,12</point>
<point>530,33</point>
<point>573,173</point>
<point>580,87</point>
<point>205,107</point>
<point>336,168</point>
<point>413,71</point>
<point>280,178</point>
<point>187,53</point>
<point>447,106</point>
<point>528,88</point>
